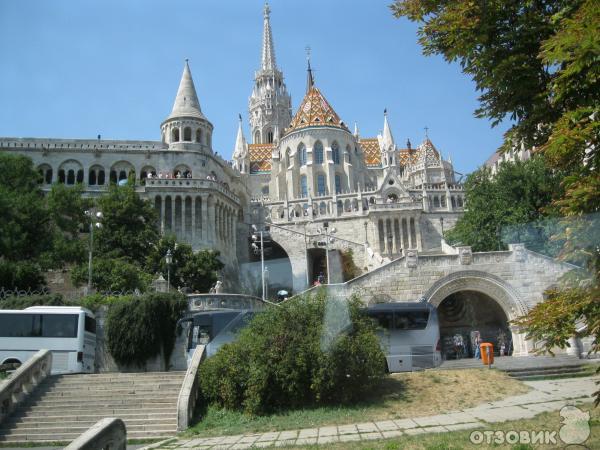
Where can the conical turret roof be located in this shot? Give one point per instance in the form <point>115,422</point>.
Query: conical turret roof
<point>241,149</point>
<point>186,102</point>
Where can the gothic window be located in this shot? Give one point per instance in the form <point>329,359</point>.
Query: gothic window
<point>338,184</point>
<point>349,153</point>
<point>187,134</point>
<point>302,154</point>
<point>61,176</point>
<point>175,135</point>
<point>318,152</point>
<point>49,176</point>
<point>71,177</point>
<point>335,153</point>
<point>436,201</point>
<point>113,176</point>
<point>80,176</point>
<point>198,135</point>
<point>270,137</point>
<point>443,201</point>
<point>303,187</point>
<point>321,190</point>
<point>257,137</point>
<point>92,180</point>
<point>100,180</point>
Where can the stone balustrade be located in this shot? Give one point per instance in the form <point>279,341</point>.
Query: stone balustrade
<point>106,434</point>
<point>191,183</point>
<point>188,396</point>
<point>23,381</point>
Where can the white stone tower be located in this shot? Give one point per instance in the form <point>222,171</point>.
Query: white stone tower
<point>241,156</point>
<point>270,105</point>
<point>186,125</point>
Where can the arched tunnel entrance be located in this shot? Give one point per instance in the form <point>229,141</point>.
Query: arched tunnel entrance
<point>317,265</point>
<point>464,314</point>
<point>278,273</point>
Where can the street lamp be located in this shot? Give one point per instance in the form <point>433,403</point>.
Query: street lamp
<point>168,260</point>
<point>262,259</point>
<point>94,222</point>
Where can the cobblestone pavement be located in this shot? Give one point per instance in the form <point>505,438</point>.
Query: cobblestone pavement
<point>548,395</point>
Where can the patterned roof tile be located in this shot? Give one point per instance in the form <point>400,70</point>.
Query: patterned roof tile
<point>370,147</point>
<point>260,157</point>
<point>315,111</point>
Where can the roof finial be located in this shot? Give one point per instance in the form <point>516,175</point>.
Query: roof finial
<point>310,81</point>
<point>426,132</point>
<point>240,116</point>
<point>267,10</point>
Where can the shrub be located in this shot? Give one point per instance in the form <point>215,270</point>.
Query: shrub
<point>310,351</point>
<point>34,300</point>
<point>138,327</point>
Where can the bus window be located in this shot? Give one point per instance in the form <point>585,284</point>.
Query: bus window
<point>90,324</point>
<point>60,325</point>
<point>411,320</point>
<point>383,318</point>
<point>20,325</point>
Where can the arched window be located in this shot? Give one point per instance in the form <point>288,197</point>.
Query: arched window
<point>302,154</point>
<point>61,176</point>
<point>321,190</point>
<point>92,179</point>
<point>71,177</point>
<point>303,187</point>
<point>49,176</point>
<point>175,135</point>
<point>113,176</point>
<point>338,184</point>
<point>101,177</point>
<point>187,134</point>
<point>335,153</point>
<point>198,135</point>
<point>287,157</point>
<point>80,176</point>
<point>270,137</point>
<point>318,152</point>
<point>257,137</point>
<point>349,153</point>
<point>436,201</point>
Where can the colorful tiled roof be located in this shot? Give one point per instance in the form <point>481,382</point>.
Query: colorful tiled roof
<point>370,147</point>
<point>315,111</point>
<point>406,156</point>
<point>260,157</point>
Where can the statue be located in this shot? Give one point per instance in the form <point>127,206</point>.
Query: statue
<point>218,287</point>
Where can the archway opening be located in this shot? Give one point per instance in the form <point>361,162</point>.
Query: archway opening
<point>317,266</point>
<point>278,275</point>
<point>464,314</point>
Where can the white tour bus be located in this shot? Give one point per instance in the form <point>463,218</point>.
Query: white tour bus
<point>68,331</point>
<point>409,334</point>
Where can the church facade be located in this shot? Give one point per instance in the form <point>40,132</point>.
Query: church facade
<point>303,172</point>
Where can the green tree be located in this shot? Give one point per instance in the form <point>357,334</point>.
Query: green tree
<point>129,225</point>
<point>197,271</point>
<point>508,207</point>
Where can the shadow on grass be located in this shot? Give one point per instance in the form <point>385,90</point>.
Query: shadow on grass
<point>212,420</point>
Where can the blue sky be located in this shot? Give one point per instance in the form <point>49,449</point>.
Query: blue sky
<point>76,69</point>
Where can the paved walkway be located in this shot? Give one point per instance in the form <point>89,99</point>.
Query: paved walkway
<point>545,396</point>
<point>518,363</point>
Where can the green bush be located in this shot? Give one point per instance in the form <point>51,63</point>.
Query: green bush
<point>138,327</point>
<point>310,351</point>
<point>34,300</point>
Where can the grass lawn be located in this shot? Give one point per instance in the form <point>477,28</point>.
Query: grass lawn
<point>400,396</point>
<point>458,440</point>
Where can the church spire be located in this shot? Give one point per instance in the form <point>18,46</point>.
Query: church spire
<point>186,102</point>
<point>388,139</point>
<point>310,81</point>
<point>268,50</point>
<point>240,151</point>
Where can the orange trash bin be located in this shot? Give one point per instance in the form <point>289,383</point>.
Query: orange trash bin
<point>487,358</point>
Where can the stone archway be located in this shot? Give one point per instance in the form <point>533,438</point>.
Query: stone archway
<point>492,287</point>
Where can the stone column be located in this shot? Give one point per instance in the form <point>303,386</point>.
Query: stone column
<point>173,209</point>
<point>410,241</point>
<point>204,219</point>
<point>162,214</point>
<point>193,219</point>
<point>418,234</point>
<point>401,231</point>
<point>183,218</point>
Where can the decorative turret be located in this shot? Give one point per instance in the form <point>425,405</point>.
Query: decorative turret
<point>270,105</point>
<point>186,124</point>
<point>241,156</point>
<point>386,144</point>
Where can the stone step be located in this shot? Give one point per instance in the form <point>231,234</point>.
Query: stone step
<point>156,385</point>
<point>59,435</point>
<point>82,404</point>
<point>107,411</point>
<point>73,424</point>
<point>533,370</point>
<point>172,391</point>
<point>65,417</point>
<point>120,375</point>
<point>553,375</point>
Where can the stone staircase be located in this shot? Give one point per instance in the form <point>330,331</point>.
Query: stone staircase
<point>558,371</point>
<point>64,406</point>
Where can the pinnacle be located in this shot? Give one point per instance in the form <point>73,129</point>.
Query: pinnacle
<point>186,102</point>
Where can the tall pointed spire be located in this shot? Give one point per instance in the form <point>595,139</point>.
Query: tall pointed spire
<point>240,141</point>
<point>388,139</point>
<point>310,81</point>
<point>186,102</point>
<point>268,50</point>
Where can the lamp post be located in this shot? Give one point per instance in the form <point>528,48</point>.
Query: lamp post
<point>262,259</point>
<point>442,224</point>
<point>326,227</point>
<point>94,222</point>
<point>169,260</point>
